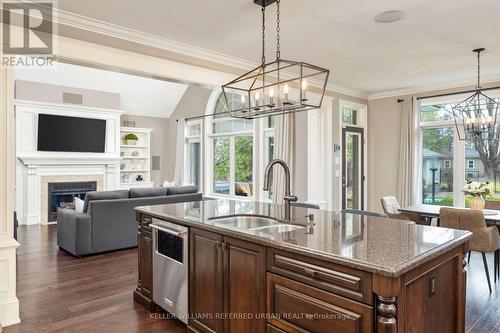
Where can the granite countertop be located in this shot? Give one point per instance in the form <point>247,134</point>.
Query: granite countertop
<point>384,246</point>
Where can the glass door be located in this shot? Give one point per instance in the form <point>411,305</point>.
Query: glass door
<point>353,177</point>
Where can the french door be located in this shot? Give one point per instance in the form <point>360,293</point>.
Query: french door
<point>353,177</point>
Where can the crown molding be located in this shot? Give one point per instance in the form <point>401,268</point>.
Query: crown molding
<point>66,107</point>
<point>116,31</point>
<point>435,87</point>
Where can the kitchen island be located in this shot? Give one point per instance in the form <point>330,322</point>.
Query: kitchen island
<point>320,272</point>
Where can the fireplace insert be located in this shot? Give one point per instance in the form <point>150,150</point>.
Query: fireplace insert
<point>62,195</point>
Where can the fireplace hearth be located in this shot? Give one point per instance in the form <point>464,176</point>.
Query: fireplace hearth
<point>62,195</point>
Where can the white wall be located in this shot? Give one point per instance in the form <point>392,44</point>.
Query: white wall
<point>384,125</point>
<point>50,93</point>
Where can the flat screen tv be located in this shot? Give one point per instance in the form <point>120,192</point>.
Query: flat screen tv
<point>71,134</point>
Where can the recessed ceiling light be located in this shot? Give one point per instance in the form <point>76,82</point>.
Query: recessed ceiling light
<point>389,16</point>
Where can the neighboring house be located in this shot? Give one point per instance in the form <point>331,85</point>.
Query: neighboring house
<point>443,162</point>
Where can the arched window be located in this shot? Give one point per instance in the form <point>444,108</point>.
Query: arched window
<point>231,141</point>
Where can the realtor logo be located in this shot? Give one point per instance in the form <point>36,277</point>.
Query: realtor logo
<point>28,33</point>
<point>28,28</point>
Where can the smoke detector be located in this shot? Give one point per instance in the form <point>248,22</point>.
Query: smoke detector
<point>389,16</point>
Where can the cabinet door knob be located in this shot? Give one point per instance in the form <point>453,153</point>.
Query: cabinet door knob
<point>310,272</point>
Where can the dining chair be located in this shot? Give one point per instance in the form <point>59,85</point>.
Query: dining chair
<point>485,239</point>
<point>492,204</point>
<point>391,206</point>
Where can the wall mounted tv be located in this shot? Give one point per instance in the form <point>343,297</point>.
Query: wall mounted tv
<point>71,134</point>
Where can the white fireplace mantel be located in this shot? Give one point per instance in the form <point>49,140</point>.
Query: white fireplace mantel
<point>63,159</point>
<point>35,169</point>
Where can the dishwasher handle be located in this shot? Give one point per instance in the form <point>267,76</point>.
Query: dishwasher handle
<point>176,233</point>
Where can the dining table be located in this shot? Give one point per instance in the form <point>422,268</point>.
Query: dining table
<point>491,216</point>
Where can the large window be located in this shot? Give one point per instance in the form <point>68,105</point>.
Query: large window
<point>437,159</point>
<point>443,154</point>
<point>232,161</point>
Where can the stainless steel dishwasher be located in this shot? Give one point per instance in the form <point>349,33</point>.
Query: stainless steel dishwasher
<point>170,268</point>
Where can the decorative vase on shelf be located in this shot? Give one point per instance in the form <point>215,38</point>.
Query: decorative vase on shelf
<point>477,203</point>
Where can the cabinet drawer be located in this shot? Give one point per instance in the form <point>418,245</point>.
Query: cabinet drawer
<point>296,307</point>
<point>337,279</point>
<point>272,329</point>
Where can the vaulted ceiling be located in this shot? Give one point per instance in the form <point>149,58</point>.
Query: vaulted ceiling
<point>431,45</point>
<point>139,96</point>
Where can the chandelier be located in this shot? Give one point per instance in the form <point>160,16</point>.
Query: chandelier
<point>277,87</point>
<point>476,116</point>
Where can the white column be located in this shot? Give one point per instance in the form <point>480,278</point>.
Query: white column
<point>9,304</point>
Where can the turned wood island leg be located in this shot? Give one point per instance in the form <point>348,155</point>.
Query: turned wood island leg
<point>386,314</point>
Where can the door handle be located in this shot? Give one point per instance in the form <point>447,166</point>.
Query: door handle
<point>432,286</point>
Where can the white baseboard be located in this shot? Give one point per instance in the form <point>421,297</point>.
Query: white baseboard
<point>30,220</point>
<point>49,223</point>
<point>9,312</point>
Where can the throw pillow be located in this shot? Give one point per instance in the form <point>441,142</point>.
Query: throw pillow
<point>166,183</point>
<point>78,204</point>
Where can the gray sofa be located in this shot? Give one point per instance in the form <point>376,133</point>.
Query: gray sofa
<point>108,221</point>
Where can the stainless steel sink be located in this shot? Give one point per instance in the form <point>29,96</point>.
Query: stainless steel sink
<point>257,223</point>
<point>244,221</point>
<point>278,228</point>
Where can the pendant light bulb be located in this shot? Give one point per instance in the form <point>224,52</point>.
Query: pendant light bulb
<point>285,89</point>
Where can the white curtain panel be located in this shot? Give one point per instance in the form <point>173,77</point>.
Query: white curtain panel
<point>284,138</point>
<point>179,152</point>
<point>409,184</point>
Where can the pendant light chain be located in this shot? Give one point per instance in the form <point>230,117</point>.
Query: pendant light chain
<point>479,70</point>
<point>278,52</point>
<point>263,35</point>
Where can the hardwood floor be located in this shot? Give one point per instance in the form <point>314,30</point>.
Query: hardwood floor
<point>59,293</point>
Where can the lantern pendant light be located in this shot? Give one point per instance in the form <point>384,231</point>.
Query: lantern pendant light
<point>476,116</point>
<point>278,87</point>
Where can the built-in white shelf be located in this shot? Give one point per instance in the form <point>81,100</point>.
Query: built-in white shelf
<point>133,146</point>
<point>133,166</point>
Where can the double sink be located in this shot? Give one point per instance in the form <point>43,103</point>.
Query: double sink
<point>254,223</point>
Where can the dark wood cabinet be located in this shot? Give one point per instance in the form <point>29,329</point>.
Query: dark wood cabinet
<point>227,284</point>
<point>206,283</point>
<point>143,294</point>
<point>435,304</point>
<point>245,285</point>
<point>297,307</point>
